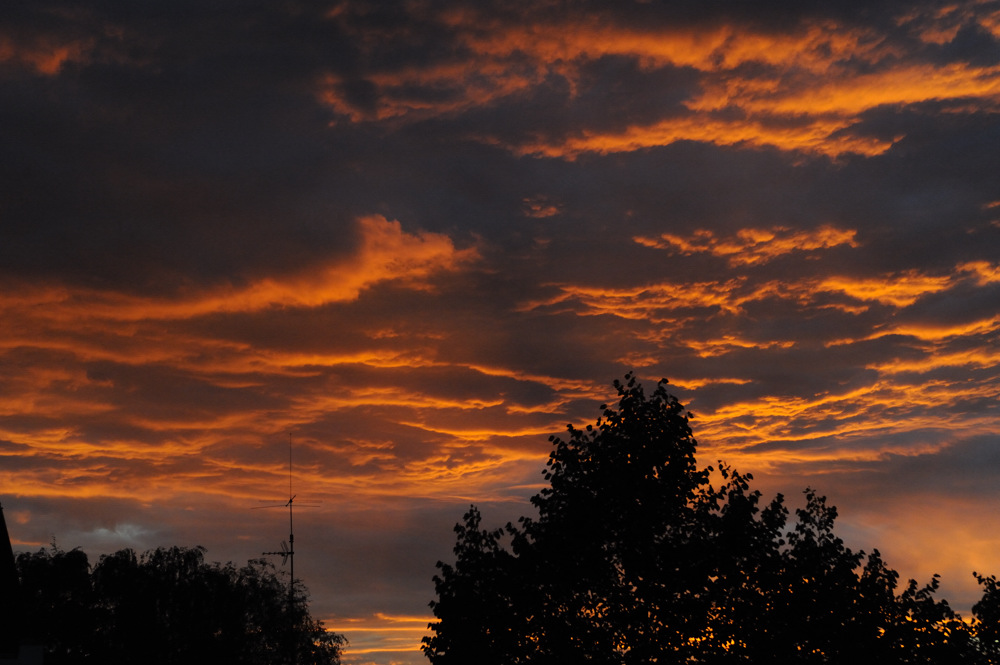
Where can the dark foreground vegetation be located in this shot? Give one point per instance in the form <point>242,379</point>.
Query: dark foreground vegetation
<point>166,607</point>
<point>635,556</point>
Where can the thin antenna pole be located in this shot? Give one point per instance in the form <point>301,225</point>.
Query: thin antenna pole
<point>289,553</point>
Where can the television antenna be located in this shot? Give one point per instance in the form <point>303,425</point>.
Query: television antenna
<point>287,552</point>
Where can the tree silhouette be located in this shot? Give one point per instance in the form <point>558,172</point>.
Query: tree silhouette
<point>636,557</point>
<point>58,603</point>
<point>987,618</point>
<point>167,606</point>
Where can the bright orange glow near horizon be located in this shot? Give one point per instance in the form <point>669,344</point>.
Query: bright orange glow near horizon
<point>420,241</point>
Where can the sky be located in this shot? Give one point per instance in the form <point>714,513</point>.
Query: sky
<point>415,238</point>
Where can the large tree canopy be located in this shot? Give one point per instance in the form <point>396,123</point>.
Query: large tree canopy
<point>167,607</point>
<point>637,555</point>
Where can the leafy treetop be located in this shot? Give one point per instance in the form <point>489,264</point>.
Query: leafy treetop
<point>635,557</point>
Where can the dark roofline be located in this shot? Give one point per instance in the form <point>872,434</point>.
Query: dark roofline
<point>10,595</point>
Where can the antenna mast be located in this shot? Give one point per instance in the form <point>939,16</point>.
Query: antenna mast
<point>287,552</point>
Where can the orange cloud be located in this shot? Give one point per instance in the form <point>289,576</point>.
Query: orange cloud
<point>670,303</point>
<point>839,420</point>
<point>540,207</point>
<point>983,272</point>
<point>386,254</point>
<point>943,357</point>
<point>378,634</point>
<point>61,332</point>
<point>705,48</point>
<point>846,94</point>
<point>667,303</point>
<point>897,290</point>
<point>806,98</point>
<point>643,302</point>
<point>46,54</point>
<point>816,136</point>
<point>708,348</point>
<point>752,246</point>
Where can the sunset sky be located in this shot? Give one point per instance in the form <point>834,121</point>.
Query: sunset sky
<point>419,237</point>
